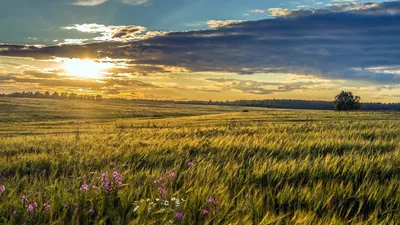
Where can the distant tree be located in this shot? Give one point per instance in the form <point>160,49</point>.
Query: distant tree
<point>99,98</point>
<point>346,101</point>
<point>47,94</point>
<point>73,96</point>
<point>55,95</point>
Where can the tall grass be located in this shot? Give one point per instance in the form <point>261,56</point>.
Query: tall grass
<point>265,167</point>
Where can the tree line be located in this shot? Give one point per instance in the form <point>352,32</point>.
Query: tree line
<point>344,101</point>
<point>54,95</point>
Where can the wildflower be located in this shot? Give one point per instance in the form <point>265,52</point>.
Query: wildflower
<point>162,191</point>
<point>66,205</point>
<point>94,187</point>
<point>172,174</point>
<point>30,208</point>
<point>205,212</point>
<point>179,215</point>
<point>25,198</point>
<point>211,200</point>
<point>14,213</point>
<point>46,207</point>
<point>166,202</point>
<point>173,199</point>
<point>106,181</point>
<point>84,187</point>
<point>2,188</point>
<point>190,163</point>
<point>91,211</point>
<point>117,178</point>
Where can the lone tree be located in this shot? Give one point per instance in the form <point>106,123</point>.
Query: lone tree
<point>346,101</point>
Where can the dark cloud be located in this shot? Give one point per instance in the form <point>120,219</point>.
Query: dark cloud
<point>44,79</point>
<point>40,74</point>
<point>113,92</point>
<point>128,82</point>
<point>257,87</point>
<point>336,43</point>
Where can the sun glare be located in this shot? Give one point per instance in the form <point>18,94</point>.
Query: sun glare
<point>86,68</point>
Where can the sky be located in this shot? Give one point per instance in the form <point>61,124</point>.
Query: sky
<point>202,49</point>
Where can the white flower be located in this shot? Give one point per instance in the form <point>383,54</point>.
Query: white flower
<point>157,199</point>
<point>173,199</point>
<point>166,202</point>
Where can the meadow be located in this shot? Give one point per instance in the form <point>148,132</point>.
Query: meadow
<point>118,162</point>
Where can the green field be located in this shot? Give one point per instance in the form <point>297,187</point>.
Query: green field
<point>187,164</point>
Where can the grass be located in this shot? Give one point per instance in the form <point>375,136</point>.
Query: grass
<point>261,167</point>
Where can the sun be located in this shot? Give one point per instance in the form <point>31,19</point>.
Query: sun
<point>85,68</point>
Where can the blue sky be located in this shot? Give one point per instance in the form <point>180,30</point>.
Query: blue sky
<point>222,50</point>
<point>39,21</point>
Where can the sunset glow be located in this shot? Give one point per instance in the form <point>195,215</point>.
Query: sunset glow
<point>85,68</point>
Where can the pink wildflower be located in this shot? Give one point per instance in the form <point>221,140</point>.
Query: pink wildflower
<point>117,178</point>
<point>30,208</point>
<point>25,198</point>
<point>46,207</point>
<point>2,188</point>
<point>172,174</point>
<point>190,163</point>
<point>211,200</point>
<point>91,211</point>
<point>179,215</point>
<point>106,181</point>
<point>205,212</point>
<point>66,206</point>
<point>84,187</point>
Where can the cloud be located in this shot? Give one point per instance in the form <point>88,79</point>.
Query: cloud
<point>262,88</point>
<point>40,74</point>
<point>134,2</point>
<point>47,79</point>
<point>330,43</point>
<point>109,33</point>
<point>214,24</point>
<point>258,11</point>
<point>352,7</point>
<point>88,2</point>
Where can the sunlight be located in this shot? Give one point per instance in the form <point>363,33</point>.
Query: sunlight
<point>86,68</point>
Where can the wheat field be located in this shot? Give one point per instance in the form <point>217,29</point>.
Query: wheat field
<point>110,162</point>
